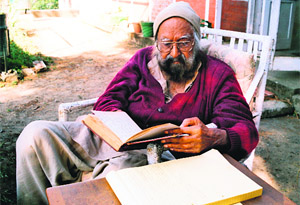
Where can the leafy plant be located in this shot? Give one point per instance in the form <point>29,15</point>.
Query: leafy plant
<point>20,59</point>
<point>204,23</point>
<point>44,4</point>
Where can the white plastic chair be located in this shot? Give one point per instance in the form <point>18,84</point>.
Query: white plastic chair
<point>257,45</point>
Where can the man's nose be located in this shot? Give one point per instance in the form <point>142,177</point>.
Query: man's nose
<point>175,52</point>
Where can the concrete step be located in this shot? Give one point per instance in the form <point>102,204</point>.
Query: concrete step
<point>276,108</point>
<point>55,13</point>
<point>286,87</point>
<point>284,84</point>
<point>142,41</point>
<point>286,63</point>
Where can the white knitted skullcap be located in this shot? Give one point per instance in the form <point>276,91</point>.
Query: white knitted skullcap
<point>177,9</point>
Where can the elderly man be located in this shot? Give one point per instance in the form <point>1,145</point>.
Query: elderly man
<point>172,81</point>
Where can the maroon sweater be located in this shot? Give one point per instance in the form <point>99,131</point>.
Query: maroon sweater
<point>214,97</point>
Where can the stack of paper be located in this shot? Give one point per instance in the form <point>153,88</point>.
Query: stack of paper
<point>208,178</point>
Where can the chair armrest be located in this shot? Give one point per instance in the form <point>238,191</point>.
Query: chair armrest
<point>253,86</point>
<point>65,108</point>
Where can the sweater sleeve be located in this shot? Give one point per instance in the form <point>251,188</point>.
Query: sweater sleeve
<point>121,87</point>
<point>231,113</point>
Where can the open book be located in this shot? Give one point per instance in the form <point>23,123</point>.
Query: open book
<point>121,132</point>
<point>205,179</point>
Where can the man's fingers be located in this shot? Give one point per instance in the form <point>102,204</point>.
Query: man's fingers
<point>180,146</point>
<point>190,122</point>
<point>173,131</point>
<point>194,138</point>
<point>181,140</point>
<point>180,131</point>
<point>186,149</point>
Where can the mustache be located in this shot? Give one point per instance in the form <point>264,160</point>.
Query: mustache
<point>170,60</point>
<point>176,72</point>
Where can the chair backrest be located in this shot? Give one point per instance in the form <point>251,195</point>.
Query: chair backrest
<point>259,48</point>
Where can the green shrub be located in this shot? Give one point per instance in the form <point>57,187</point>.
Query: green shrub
<point>20,59</point>
<point>204,23</point>
<point>44,4</point>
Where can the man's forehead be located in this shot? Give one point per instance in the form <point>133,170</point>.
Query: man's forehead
<point>174,21</point>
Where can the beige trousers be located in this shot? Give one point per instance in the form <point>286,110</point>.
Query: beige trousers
<point>56,153</point>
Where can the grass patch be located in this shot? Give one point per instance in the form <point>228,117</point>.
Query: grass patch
<point>20,59</point>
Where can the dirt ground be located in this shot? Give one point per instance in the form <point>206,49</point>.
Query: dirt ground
<point>86,59</point>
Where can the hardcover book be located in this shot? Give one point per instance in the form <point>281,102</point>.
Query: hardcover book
<point>121,132</point>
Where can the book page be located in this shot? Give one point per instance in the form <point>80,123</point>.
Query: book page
<point>201,179</point>
<point>120,123</point>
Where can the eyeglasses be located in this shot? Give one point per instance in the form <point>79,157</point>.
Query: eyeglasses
<point>182,45</point>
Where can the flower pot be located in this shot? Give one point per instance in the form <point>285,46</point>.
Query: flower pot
<point>137,27</point>
<point>147,29</point>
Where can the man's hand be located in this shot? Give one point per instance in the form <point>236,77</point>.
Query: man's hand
<point>197,137</point>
